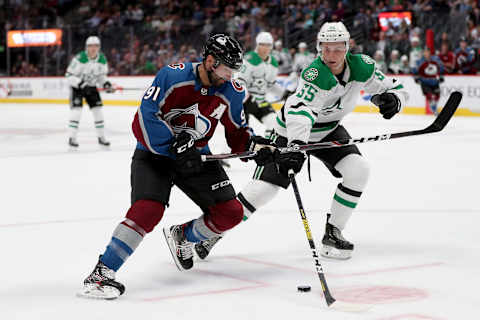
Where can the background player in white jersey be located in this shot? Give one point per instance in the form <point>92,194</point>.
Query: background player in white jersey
<point>259,75</point>
<point>86,71</point>
<point>327,92</point>
<point>302,59</point>
<point>283,57</point>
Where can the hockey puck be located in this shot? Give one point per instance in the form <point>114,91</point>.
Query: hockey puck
<point>304,288</point>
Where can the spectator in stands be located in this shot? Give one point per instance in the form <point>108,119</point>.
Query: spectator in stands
<point>405,65</point>
<point>447,57</point>
<point>395,64</point>
<point>379,58</point>
<point>416,52</point>
<point>464,58</point>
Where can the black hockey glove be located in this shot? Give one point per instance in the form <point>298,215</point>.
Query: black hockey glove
<point>108,87</point>
<point>290,160</point>
<point>441,79</point>
<point>264,148</point>
<point>188,159</point>
<point>388,103</point>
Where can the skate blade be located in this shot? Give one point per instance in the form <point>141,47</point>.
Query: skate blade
<point>171,247</point>
<point>93,292</point>
<point>334,253</point>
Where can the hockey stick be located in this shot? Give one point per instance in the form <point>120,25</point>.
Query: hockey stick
<point>118,88</point>
<point>440,122</point>
<point>331,302</point>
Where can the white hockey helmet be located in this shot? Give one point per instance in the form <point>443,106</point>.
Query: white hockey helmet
<point>333,32</point>
<point>264,38</point>
<point>92,40</point>
<point>302,45</point>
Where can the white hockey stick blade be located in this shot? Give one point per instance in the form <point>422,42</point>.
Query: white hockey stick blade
<point>350,307</point>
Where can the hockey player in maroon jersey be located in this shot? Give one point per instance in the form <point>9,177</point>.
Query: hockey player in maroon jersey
<point>177,117</point>
<point>428,74</point>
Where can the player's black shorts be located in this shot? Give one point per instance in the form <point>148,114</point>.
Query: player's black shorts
<point>251,107</point>
<point>329,156</point>
<point>433,89</point>
<point>89,93</point>
<point>153,176</point>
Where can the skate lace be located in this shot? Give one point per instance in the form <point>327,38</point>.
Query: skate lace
<point>208,244</point>
<point>338,234</point>
<point>101,273</point>
<point>107,273</point>
<point>185,249</point>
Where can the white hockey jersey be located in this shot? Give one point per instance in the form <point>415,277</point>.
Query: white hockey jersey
<point>321,101</point>
<point>258,76</point>
<point>93,72</point>
<point>302,60</point>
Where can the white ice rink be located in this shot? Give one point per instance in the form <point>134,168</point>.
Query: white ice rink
<point>416,229</point>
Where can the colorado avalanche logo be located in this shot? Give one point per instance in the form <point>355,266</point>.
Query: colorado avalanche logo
<point>237,86</point>
<point>189,120</point>
<point>431,69</point>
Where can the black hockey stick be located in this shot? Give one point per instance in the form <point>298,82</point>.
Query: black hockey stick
<point>440,122</point>
<point>331,302</point>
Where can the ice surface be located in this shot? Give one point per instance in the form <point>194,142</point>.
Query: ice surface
<point>415,229</point>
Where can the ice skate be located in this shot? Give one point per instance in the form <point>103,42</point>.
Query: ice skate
<point>203,248</point>
<point>101,284</point>
<point>103,142</point>
<point>180,248</point>
<point>73,143</point>
<point>335,246</point>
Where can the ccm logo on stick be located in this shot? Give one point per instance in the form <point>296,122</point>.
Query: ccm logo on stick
<point>220,184</point>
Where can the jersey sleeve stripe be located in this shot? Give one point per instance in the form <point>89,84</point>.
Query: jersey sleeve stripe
<point>303,113</point>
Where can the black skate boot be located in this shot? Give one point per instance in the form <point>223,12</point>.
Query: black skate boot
<point>203,248</point>
<point>335,246</point>
<point>103,142</point>
<point>72,142</point>
<point>101,284</point>
<point>180,248</point>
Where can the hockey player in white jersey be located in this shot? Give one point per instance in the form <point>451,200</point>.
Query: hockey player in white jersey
<point>327,92</point>
<point>87,70</point>
<point>259,75</point>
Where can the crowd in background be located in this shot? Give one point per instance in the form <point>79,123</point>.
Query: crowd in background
<point>140,37</point>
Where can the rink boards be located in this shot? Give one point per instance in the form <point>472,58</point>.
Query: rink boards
<point>130,90</point>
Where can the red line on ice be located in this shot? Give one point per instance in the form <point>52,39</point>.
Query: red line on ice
<point>256,285</point>
<point>337,275</point>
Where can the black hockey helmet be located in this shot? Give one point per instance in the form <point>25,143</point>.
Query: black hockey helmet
<point>225,49</point>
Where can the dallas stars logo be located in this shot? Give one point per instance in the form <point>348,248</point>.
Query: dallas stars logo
<point>310,74</point>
